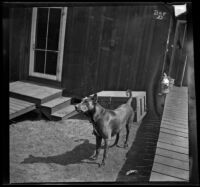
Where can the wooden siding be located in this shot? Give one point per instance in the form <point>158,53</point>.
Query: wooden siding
<point>106,48</point>
<point>114,48</point>
<point>19,42</point>
<point>117,47</point>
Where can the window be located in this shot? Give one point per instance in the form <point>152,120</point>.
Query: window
<point>47,42</point>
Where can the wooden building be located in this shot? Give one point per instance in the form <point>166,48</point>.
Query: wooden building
<point>89,48</point>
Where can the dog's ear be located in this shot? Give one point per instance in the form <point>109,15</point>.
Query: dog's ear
<point>94,98</point>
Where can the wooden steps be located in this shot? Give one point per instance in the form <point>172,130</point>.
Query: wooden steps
<point>64,113</point>
<point>33,92</point>
<point>49,100</point>
<point>56,104</point>
<point>58,109</point>
<point>18,107</point>
<point>171,162</point>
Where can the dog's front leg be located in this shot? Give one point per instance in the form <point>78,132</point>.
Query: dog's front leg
<point>105,153</point>
<point>98,146</point>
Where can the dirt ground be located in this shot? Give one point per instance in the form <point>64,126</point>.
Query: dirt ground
<point>48,151</point>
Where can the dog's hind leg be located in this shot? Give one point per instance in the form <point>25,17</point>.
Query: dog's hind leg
<point>128,125</point>
<point>116,141</point>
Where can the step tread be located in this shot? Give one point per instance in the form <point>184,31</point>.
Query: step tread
<point>56,101</point>
<point>64,112</point>
<point>33,90</point>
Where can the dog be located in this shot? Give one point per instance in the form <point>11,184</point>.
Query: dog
<point>107,123</point>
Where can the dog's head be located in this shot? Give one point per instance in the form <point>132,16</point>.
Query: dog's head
<point>87,104</point>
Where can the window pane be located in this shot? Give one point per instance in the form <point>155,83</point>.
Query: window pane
<point>41,30</point>
<point>54,28</point>
<point>51,63</point>
<point>39,61</point>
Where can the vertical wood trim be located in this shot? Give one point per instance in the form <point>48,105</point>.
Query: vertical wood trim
<point>27,22</point>
<point>174,44</point>
<point>98,53</point>
<point>86,65</point>
<point>47,31</point>
<point>167,45</point>
<point>183,70</point>
<point>61,43</point>
<point>136,59</point>
<point>123,47</point>
<point>33,27</point>
<point>182,43</point>
<point>142,51</point>
<point>151,26</point>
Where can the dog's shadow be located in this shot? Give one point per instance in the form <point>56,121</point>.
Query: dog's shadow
<point>77,155</point>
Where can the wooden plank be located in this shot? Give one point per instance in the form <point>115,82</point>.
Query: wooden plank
<point>172,162</point>
<point>183,150</point>
<point>11,111</point>
<point>175,120</point>
<point>65,111</point>
<point>56,101</point>
<point>174,132</point>
<point>15,106</point>
<point>179,118</point>
<point>20,112</point>
<point>168,109</point>
<point>120,94</point>
<point>42,94</point>
<point>174,137</point>
<point>20,102</point>
<point>172,108</point>
<point>171,171</point>
<point>173,142</point>
<point>174,126</point>
<point>172,154</point>
<point>164,178</point>
<point>33,90</point>
<point>168,121</point>
<point>176,113</point>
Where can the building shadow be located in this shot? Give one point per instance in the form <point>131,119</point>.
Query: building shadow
<point>141,153</point>
<point>75,156</point>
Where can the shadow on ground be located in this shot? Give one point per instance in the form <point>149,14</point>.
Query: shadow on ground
<point>34,115</point>
<point>141,154</point>
<point>75,156</point>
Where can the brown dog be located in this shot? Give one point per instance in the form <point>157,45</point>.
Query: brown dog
<point>107,123</point>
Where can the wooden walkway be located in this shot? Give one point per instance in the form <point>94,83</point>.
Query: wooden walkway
<point>171,161</point>
<point>19,107</point>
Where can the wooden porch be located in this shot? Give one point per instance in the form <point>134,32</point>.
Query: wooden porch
<point>171,161</point>
<point>27,96</point>
<point>19,107</point>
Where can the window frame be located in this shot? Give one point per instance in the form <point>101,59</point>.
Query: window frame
<point>63,20</point>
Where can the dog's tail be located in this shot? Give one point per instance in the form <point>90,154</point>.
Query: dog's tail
<point>129,94</point>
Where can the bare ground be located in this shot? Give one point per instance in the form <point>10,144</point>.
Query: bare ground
<point>47,151</point>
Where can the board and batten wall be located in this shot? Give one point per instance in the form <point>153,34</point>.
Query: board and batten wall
<point>115,48</point>
<point>106,48</point>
